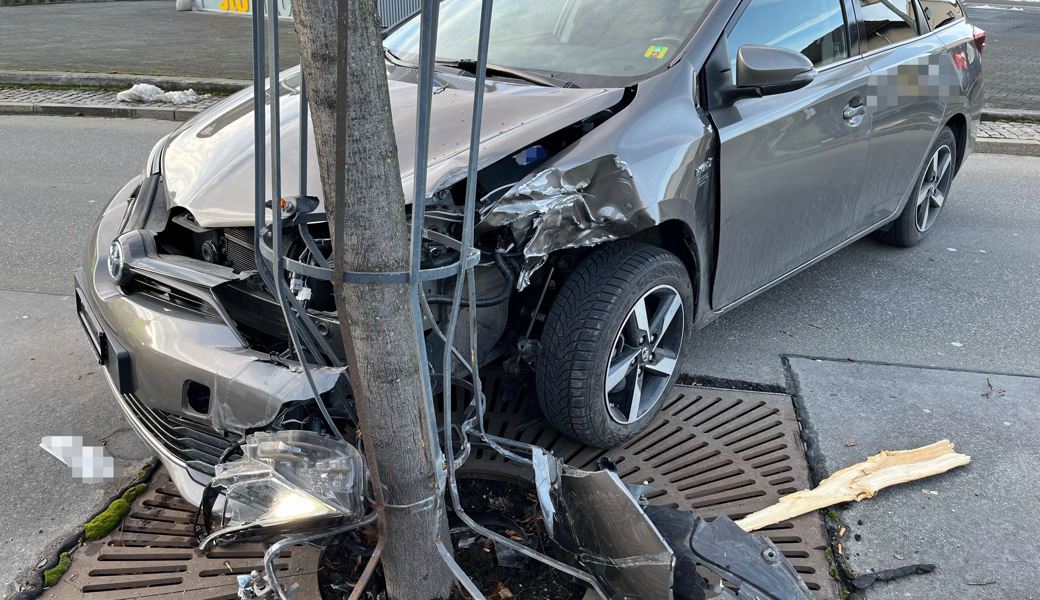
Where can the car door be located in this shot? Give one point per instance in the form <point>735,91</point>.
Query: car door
<point>907,101</point>
<point>791,164</point>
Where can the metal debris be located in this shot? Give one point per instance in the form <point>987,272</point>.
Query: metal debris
<point>593,516</point>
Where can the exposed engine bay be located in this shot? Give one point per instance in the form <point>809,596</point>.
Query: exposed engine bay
<point>520,225</point>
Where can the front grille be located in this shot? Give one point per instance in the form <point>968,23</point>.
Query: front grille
<point>199,446</point>
<point>144,285</point>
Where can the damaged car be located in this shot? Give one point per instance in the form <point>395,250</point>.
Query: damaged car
<point>645,168</point>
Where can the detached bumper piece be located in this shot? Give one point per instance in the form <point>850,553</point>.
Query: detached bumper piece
<point>750,563</point>
<point>653,553</point>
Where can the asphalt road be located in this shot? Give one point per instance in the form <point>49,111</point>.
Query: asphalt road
<point>57,173</point>
<point>967,298</point>
<point>1012,77</point>
<point>146,37</point>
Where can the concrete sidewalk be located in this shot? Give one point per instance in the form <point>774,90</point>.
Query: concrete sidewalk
<point>978,523</point>
<point>1007,137</point>
<point>85,103</point>
<point>995,137</point>
<point>145,37</point>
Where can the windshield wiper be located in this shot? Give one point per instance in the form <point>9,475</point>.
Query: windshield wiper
<point>470,66</point>
<point>397,60</point>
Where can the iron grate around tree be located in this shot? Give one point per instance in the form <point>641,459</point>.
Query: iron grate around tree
<point>153,555</point>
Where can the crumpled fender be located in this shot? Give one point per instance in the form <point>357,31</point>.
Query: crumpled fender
<point>583,206</point>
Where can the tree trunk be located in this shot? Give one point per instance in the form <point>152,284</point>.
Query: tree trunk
<point>376,320</point>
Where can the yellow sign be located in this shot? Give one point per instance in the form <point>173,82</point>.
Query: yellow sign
<point>240,6</point>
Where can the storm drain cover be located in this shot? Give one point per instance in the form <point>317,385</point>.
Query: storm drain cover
<point>710,451</point>
<point>153,555</point>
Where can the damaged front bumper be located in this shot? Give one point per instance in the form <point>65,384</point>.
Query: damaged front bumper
<point>186,381</point>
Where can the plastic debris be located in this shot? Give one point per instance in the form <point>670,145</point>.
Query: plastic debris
<point>867,580</point>
<point>146,92</point>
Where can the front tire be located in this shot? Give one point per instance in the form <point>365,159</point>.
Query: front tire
<point>928,196</point>
<point>613,342</point>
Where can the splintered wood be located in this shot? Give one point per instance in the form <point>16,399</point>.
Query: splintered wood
<point>861,481</point>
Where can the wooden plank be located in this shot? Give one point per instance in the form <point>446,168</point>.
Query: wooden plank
<point>861,481</point>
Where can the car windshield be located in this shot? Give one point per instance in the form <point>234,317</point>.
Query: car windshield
<point>589,42</point>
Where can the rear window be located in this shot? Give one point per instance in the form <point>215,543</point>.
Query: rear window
<point>941,12</point>
<point>887,22</point>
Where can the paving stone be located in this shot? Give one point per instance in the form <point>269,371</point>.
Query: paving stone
<point>1003,130</point>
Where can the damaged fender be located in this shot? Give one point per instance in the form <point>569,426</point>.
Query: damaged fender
<point>556,209</point>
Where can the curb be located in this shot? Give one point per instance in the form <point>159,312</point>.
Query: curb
<point>1015,147</point>
<point>34,587</point>
<point>1003,114</point>
<point>120,81</point>
<point>90,110</point>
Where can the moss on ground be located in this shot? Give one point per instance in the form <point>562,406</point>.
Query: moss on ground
<point>833,570</point>
<point>132,493</point>
<point>53,575</point>
<point>101,525</point>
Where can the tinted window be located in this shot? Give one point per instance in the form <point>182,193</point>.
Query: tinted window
<point>941,12</point>
<point>816,28</point>
<point>887,22</point>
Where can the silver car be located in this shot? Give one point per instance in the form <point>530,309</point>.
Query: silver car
<point>646,167</point>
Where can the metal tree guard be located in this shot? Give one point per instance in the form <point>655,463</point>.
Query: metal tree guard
<point>307,343</point>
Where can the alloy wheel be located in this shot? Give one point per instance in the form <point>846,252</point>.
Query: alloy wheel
<point>644,355</point>
<point>934,186</point>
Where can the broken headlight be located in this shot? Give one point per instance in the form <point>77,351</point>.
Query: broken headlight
<point>292,476</point>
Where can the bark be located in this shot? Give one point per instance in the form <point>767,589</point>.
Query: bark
<point>376,320</point>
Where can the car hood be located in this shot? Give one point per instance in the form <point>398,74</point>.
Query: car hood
<point>208,163</point>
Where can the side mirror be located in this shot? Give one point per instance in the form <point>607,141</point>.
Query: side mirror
<point>770,70</point>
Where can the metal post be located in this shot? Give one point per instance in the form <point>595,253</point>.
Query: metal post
<point>304,132</point>
<point>427,58</point>
<point>259,129</point>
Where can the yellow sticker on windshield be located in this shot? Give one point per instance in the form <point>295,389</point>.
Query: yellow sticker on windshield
<point>657,52</point>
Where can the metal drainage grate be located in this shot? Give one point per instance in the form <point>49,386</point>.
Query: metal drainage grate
<point>153,555</point>
<point>710,451</point>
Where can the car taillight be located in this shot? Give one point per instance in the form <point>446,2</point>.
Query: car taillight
<point>980,39</point>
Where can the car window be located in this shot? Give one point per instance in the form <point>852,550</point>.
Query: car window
<point>940,12</point>
<point>589,42</point>
<point>816,28</point>
<point>887,22</point>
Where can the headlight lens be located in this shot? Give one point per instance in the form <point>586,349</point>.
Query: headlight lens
<point>291,476</point>
<point>117,262</point>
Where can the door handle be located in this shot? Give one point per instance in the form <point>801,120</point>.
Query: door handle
<point>851,112</point>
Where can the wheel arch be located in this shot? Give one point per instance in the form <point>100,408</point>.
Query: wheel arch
<point>958,123</point>
<point>676,237</point>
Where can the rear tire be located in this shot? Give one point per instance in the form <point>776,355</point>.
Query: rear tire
<point>618,286</point>
<point>928,196</point>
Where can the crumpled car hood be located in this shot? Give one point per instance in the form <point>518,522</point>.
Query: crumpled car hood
<point>208,163</point>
